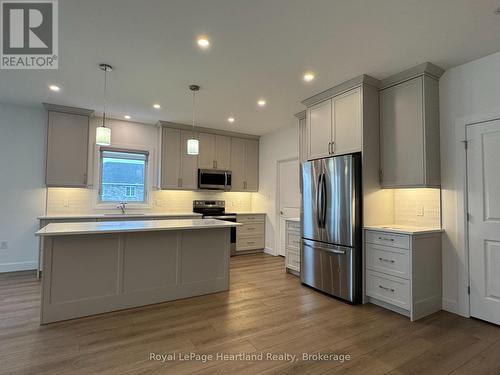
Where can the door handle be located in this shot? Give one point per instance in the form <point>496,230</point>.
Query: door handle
<point>324,199</point>
<point>335,251</point>
<point>319,199</point>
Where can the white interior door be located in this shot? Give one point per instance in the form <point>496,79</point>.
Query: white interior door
<point>483,181</point>
<point>288,197</point>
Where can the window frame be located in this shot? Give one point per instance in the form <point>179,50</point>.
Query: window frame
<point>147,182</point>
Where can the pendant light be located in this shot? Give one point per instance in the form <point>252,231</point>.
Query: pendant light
<point>103,134</point>
<point>193,146</point>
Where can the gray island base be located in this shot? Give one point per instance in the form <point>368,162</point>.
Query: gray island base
<point>93,268</point>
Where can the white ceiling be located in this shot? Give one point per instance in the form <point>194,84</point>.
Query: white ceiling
<point>260,48</point>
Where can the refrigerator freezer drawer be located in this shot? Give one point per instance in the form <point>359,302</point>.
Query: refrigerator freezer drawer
<point>330,268</point>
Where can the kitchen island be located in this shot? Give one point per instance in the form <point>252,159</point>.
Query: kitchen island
<point>96,267</point>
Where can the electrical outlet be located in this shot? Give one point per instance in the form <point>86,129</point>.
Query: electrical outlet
<point>4,245</point>
<point>420,210</point>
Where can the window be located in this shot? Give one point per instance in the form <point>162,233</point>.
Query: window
<point>123,175</point>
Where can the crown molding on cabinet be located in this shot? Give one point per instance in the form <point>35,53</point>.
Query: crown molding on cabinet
<point>341,88</point>
<point>426,68</point>
<point>301,115</point>
<point>66,109</point>
<point>199,129</point>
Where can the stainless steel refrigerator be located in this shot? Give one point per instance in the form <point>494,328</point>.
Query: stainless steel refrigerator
<point>331,248</point>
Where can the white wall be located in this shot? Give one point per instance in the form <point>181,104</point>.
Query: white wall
<point>278,145</point>
<point>468,93</point>
<point>22,192</point>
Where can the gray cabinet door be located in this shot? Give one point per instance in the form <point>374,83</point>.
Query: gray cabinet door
<point>346,115</point>
<point>170,158</point>
<point>237,166</point>
<point>178,169</point>
<point>252,165</point>
<point>222,152</point>
<point>67,150</point>
<point>206,157</point>
<point>319,130</point>
<point>189,163</point>
<point>402,134</point>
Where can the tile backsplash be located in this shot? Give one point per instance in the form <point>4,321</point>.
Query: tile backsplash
<point>81,201</point>
<point>417,207</point>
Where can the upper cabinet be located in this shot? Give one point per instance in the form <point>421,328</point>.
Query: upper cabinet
<point>214,151</point>
<point>67,146</point>
<point>178,169</point>
<point>333,126</point>
<point>244,164</point>
<point>409,128</point>
<point>235,152</point>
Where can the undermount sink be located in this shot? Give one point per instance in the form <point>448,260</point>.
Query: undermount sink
<point>127,215</point>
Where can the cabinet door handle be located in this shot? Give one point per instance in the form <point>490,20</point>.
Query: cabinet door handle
<point>387,260</point>
<point>386,239</point>
<point>333,147</point>
<point>386,288</point>
<point>329,148</point>
<point>244,184</point>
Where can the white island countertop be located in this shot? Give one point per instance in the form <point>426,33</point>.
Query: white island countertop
<point>66,229</point>
<point>119,215</point>
<point>403,229</point>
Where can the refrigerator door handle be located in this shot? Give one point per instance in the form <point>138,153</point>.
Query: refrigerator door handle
<point>335,251</point>
<point>319,199</point>
<point>324,200</point>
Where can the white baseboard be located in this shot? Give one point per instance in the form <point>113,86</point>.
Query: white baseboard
<point>270,251</point>
<point>450,305</point>
<point>18,266</point>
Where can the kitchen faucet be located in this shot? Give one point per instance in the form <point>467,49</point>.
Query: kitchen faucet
<point>121,206</point>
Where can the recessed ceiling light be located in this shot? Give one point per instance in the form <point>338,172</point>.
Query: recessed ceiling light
<point>230,119</point>
<point>54,88</point>
<point>308,76</point>
<point>203,42</point>
<point>127,117</point>
<point>261,103</point>
<point>156,106</point>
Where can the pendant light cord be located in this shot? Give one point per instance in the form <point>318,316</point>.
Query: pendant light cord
<point>105,90</point>
<point>194,93</point>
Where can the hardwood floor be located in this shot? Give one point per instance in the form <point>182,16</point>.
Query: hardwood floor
<point>266,311</point>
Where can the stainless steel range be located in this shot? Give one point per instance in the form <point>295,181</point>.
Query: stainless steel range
<point>216,210</point>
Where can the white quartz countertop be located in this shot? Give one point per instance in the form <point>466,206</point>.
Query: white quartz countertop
<point>65,229</point>
<point>295,219</point>
<point>403,229</point>
<point>249,213</point>
<point>119,216</point>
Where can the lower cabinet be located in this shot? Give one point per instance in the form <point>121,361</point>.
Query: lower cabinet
<point>403,272</point>
<point>250,236</point>
<point>292,247</point>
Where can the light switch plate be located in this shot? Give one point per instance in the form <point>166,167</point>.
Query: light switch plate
<point>420,210</point>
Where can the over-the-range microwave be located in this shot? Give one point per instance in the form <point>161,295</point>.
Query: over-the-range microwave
<point>214,179</point>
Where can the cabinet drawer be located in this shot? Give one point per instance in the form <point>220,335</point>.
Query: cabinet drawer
<point>249,243</point>
<point>250,229</point>
<point>388,239</point>
<point>391,260</point>
<point>250,218</point>
<point>389,289</point>
<point>293,226</point>
<point>293,240</point>
<point>293,260</point>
